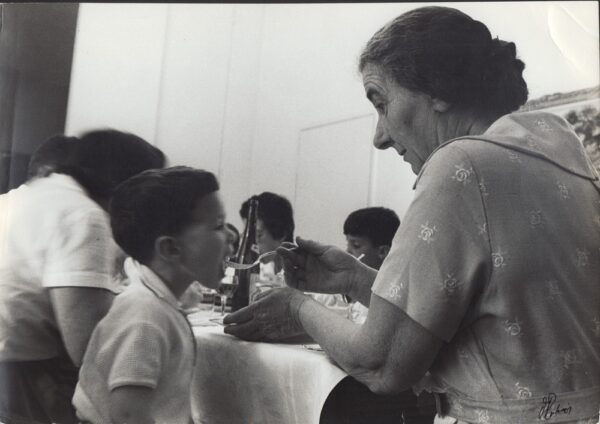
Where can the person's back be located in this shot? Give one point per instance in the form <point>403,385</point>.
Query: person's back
<point>139,362</point>
<point>37,220</point>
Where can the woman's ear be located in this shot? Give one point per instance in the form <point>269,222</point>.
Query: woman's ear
<point>440,105</point>
<point>166,248</point>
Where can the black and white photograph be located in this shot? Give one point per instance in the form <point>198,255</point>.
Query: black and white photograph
<point>311,213</point>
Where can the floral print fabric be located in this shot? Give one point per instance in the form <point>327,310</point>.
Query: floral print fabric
<point>499,256</point>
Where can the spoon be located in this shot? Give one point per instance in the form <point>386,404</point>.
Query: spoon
<point>236,265</point>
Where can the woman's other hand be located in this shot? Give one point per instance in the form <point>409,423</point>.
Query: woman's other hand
<point>315,267</point>
<point>274,317</point>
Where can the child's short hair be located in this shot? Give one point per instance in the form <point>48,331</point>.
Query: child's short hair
<point>376,224</point>
<point>154,203</point>
<point>275,212</point>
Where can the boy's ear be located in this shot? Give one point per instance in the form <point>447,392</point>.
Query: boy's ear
<point>166,248</point>
<point>382,251</point>
<point>440,105</point>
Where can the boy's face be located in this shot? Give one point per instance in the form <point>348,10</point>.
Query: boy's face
<point>357,245</point>
<point>204,242</point>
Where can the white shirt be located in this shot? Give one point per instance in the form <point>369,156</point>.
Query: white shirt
<point>144,340</point>
<point>51,235</point>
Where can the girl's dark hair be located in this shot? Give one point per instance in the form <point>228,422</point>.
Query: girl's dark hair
<point>54,154</point>
<point>275,212</point>
<point>105,158</point>
<point>446,54</point>
<point>154,203</point>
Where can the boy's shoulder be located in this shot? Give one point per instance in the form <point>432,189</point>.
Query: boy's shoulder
<point>138,302</point>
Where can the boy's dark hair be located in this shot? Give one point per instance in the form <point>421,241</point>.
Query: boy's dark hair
<point>155,203</point>
<point>275,212</point>
<point>376,224</point>
<point>54,153</point>
<point>105,158</point>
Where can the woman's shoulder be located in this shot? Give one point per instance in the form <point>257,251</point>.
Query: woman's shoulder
<point>459,155</point>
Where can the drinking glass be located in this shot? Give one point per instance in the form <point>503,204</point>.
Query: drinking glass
<point>225,291</point>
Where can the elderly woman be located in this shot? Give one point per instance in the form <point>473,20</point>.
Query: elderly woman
<point>489,297</point>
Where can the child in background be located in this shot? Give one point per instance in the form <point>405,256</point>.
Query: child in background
<point>138,365</point>
<point>369,232</point>
<point>275,225</point>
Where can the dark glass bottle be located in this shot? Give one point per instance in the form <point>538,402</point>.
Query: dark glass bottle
<point>246,254</point>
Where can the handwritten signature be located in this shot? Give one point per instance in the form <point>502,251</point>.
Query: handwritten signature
<point>550,407</point>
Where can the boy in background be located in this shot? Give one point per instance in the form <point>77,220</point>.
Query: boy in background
<point>369,232</point>
<point>138,365</point>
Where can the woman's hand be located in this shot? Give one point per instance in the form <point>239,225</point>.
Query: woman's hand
<point>315,267</point>
<point>274,317</point>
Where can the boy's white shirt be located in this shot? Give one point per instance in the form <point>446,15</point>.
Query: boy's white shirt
<point>90,404</point>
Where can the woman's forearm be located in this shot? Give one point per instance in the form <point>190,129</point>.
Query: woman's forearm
<point>388,353</point>
<point>343,342</point>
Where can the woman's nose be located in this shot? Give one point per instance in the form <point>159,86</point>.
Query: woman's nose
<point>381,140</point>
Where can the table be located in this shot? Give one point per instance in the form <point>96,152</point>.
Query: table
<point>246,382</point>
<point>239,382</point>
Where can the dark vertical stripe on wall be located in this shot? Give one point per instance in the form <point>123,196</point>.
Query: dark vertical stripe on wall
<point>36,53</point>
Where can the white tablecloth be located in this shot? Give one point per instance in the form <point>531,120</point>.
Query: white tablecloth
<point>254,383</point>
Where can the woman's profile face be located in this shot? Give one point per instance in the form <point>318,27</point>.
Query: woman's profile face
<point>406,119</point>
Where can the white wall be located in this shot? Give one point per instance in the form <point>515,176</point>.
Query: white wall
<point>117,67</point>
<point>231,87</point>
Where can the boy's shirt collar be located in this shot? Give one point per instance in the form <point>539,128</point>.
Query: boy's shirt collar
<point>141,274</point>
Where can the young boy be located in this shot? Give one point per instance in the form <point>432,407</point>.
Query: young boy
<point>369,232</point>
<point>138,364</point>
